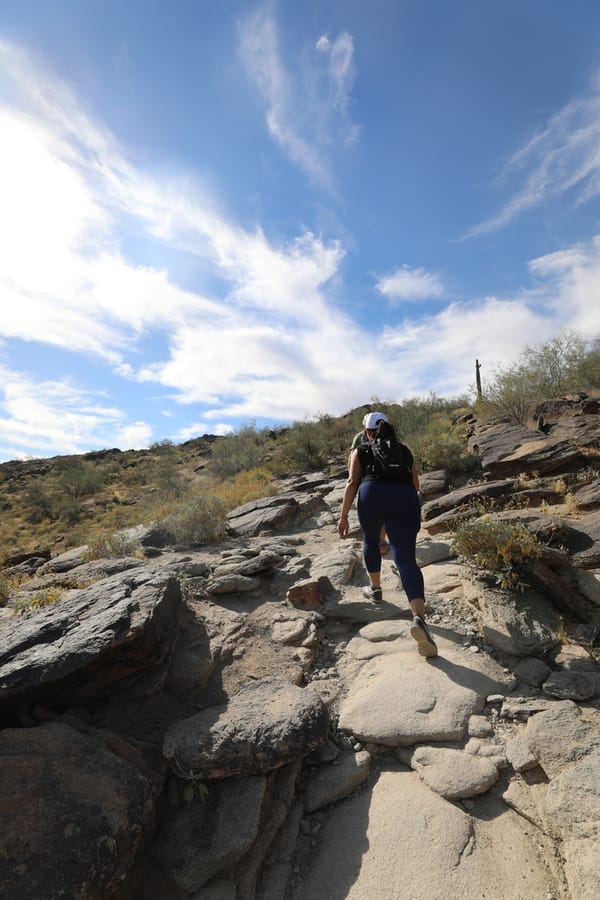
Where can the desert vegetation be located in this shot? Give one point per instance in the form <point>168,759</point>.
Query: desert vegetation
<point>188,488</point>
<point>564,364</point>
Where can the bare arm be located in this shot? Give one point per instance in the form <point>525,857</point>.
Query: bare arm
<point>415,478</point>
<point>352,485</point>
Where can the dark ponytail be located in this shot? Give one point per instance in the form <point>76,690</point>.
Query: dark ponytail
<point>386,432</point>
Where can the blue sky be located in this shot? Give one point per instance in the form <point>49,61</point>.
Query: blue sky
<point>215,214</point>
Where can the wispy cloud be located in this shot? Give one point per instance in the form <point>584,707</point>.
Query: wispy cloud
<point>342,74</point>
<point>59,416</point>
<point>409,284</point>
<point>564,156</point>
<point>305,121</point>
<point>267,339</point>
<point>570,286</point>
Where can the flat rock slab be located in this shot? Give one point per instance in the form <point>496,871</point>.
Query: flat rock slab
<point>399,840</point>
<point>267,724</point>
<point>399,699</point>
<point>572,804</point>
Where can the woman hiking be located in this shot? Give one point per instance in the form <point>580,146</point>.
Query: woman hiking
<point>383,473</point>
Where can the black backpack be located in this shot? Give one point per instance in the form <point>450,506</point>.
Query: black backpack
<point>392,461</point>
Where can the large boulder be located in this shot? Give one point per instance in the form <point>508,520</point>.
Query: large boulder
<point>98,640</point>
<point>267,724</point>
<point>75,810</point>
<point>510,450</point>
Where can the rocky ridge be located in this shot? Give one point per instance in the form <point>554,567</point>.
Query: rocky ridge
<point>237,721</point>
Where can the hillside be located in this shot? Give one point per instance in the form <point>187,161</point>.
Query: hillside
<point>235,720</point>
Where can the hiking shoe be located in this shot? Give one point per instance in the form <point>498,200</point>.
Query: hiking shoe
<point>373,594</point>
<point>419,630</point>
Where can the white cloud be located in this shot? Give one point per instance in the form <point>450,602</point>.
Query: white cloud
<point>405,283</point>
<point>564,156</point>
<point>197,429</point>
<point>268,342</point>
<point>302,121</point>
<point>42,417</point>
<point>572,286</point>
<point>134,436</point>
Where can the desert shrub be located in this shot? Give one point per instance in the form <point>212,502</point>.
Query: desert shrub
<point>246,449</point>
<point>68,509</point>
<point>78,478</point>
<point>165,473</point>
<point>26,606</point>
<point>111,545</point>
<point>8,584</point>
<point>245,486</point>
<point>305,446</point>
<point>496,548</point>
<point>200,519</point>
<point>441,445</point>
<point>38,504</point>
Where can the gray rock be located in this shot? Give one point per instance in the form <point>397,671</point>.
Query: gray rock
<point>559,737</point>
<point>454,774</point>
<point>572,804</point>
<point>519,755</point>
<point>80,808</point>
<point>204,838</point>
<point>232,584</point>
<point>265,725</point>
<point>333,782</point>
<point>263,561</point>
<point>66,561</point>
<point>510,450</point>
<point>518,624</point>
<point>429,552</point>
<point>274,513</point>
<point>432,484</point>
<point>569,685</point>
<point>395,702</point>
<point>400,839</point>
<point>588,497</point>
<point>532,671</point>
<point>589,585</point>
<point>466,496</point>
<point>98,640</point>
<point>337,565</point>
<point>586,547</point>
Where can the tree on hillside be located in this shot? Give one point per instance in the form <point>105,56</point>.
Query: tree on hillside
<point>565,363</point>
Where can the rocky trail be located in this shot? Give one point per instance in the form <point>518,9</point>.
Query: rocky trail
<point>238,721</point>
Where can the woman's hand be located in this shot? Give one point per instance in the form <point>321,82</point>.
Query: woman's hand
<point>343,526</point>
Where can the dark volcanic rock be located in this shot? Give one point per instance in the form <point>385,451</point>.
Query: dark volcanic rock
<point>75,816</point>
<point>98,640</point>
<point>510,450</point>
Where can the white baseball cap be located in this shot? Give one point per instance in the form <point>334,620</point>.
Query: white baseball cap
<point>372,419</point>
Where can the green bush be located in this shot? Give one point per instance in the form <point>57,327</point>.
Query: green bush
<point>199,520</point>
<point>496,548</point>
<point>79,478</point>
<point>562,364</point>
<point>246,449</point>
<point>111,545</point>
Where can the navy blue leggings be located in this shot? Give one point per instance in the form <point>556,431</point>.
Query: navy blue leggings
<point>397,507</point>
